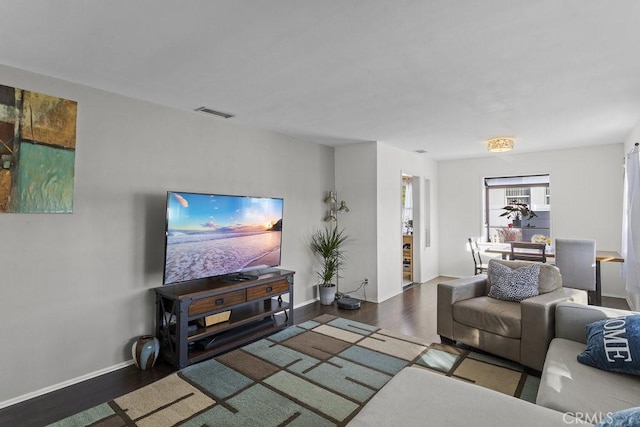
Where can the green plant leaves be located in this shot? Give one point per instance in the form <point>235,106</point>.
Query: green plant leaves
<point>326,244</point>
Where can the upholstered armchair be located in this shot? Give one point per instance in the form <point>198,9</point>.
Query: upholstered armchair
<point>516,330</point>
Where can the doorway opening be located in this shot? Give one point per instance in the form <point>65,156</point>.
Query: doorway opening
<point>407,202</point>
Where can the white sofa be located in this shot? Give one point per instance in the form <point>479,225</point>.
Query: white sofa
<point>569,386</point>
<point>570,393</point>
<point>419,397</point>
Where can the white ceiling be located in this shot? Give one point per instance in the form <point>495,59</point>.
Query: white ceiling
<point>434,75</point>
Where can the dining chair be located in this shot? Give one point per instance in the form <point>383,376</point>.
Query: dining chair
<point>576,260</point>
<point>480,267</point>
<point>527,251</point>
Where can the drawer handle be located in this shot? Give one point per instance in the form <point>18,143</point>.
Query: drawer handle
<point>220,301</point>
<point>269,288</point>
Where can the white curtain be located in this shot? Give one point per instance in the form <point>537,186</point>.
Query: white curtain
<point>631,222</point>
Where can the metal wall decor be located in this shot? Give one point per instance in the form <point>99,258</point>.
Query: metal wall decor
<point>37,152</point>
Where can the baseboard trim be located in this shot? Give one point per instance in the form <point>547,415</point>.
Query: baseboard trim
<point>85,377</point>
<point>88,376</point>
<point>64,384</point>
<point>302,304</point>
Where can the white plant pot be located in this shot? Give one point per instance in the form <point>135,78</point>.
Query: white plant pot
<point>327,294</point>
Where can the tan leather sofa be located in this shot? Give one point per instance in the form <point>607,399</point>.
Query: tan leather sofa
<point>518,331</point>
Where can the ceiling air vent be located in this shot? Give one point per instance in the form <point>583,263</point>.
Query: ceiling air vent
<point>214,112</point>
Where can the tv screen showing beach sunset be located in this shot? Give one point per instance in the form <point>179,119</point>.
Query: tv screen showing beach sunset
<point>212,235</point>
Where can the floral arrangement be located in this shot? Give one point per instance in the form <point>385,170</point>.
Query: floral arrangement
<point>539,238</point>
<point>509,234</point>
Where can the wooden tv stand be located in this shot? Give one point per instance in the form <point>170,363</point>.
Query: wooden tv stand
<point>256,305</point>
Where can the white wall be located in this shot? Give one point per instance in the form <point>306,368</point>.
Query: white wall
<point>429,256</point>
<point>392,163</point>
<point>76,288</point>
<point>355,167</point>
<point>586,201</point>
<point>369,178</point>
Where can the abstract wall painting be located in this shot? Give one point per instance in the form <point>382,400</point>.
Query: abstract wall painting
<point>37,152</point>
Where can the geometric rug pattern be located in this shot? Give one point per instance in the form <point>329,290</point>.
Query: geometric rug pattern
<point>317,373</point>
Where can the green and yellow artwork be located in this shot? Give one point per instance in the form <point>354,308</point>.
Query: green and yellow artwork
<point>37,152</point>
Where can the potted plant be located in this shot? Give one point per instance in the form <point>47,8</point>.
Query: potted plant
<point>327,244</point>
<point>517,212</point>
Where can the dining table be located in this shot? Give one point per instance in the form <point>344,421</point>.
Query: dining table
<point>601,256</point>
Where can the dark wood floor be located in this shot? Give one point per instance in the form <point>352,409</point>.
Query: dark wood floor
<point>411,313</point>
<point>406,313</point>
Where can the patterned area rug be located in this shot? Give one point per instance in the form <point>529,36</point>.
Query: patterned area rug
<point>317,373</point>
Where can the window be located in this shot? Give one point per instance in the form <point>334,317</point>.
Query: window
<point>533,191</point>
<point>517,195</point>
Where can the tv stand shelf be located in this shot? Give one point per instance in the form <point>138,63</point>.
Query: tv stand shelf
<point>257,310</point>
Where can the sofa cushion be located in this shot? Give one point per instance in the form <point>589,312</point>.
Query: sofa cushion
<point>571,319</point>
<point>549,279</point>
<point>614,345</point>
<point>513,284</point>
<point>418,397</point>
<point>489,314</point>
<point>569,386</point>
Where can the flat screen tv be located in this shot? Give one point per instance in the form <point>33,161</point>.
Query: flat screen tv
<point>210,235</point>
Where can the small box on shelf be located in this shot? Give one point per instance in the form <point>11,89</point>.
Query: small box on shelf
<point>214,318</point>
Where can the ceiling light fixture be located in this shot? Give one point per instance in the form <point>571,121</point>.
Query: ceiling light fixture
<point>500,145</point>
